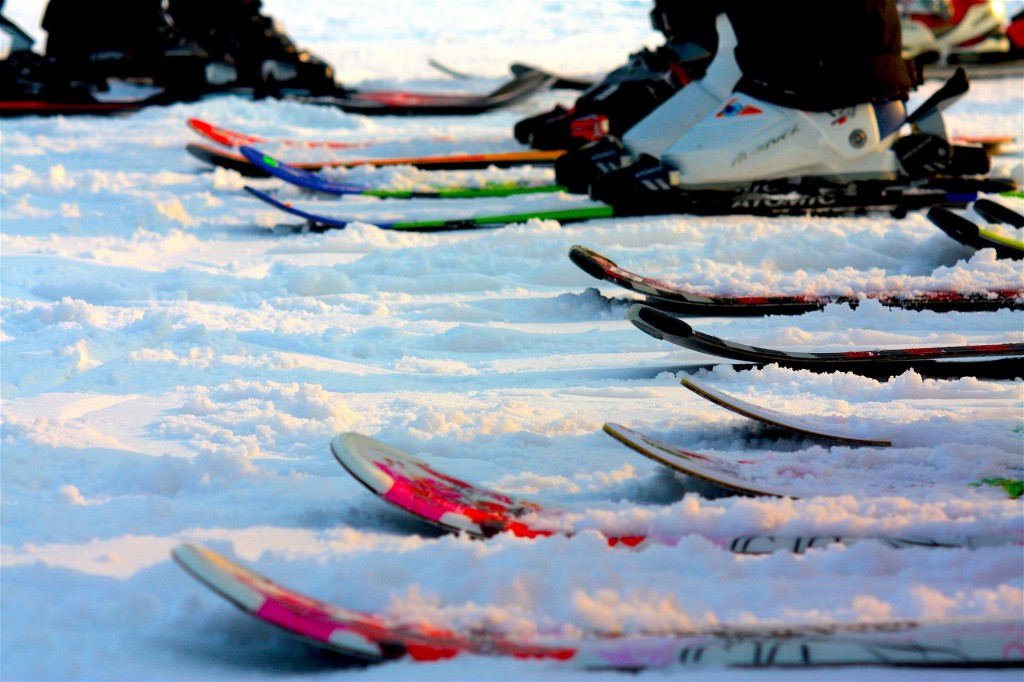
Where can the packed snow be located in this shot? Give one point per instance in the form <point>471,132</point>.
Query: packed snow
<point>176,358</point>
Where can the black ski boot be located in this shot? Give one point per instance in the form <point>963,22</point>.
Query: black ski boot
<point>249,50</point>
<point>619,101</point>
<point>637,189</point>
<point>576,170</point>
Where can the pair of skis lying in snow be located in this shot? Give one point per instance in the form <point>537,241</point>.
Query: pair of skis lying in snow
<point>454,505</point>
<point>663,298</point>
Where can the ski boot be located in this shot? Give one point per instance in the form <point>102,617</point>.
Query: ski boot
<point>623,97</point>
<point>952,31</point>
<point>249,51</point>
<point>749,146</point>
<point>661,127</point>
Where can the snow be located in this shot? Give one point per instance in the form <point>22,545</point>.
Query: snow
<point>175,363</point>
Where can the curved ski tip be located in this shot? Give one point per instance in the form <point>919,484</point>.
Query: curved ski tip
<point>693,386</point>
<point>588,261</point>
<point>259,194</point>
<point>953,224</point>
<point>360,455</point>
<point>185,552</point>
<point>616,431</point>
<point>995,212</point>
<point>657,323</point>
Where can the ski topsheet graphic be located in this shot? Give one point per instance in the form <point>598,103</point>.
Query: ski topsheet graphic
<point>666,296</point>
<point>413,485</point>
<point>661,325</point>
<point>372,638</point>
<point>801,425</point>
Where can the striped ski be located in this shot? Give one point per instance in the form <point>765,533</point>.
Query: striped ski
<point>319,222</point>
<point>233,138</point>
<point>227,158</point>
<point>316,182</point>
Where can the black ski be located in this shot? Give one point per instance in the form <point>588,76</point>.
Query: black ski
<point>525,82</point>
<point>663,326</point>
<point>971,234</point>
<point>997,213</point>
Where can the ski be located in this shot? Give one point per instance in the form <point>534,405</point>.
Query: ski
<point>234,138</point>
<point>225,158</point>
<point>318,222</point>
<point>561,82</point>
<point>33,107</point>
<point>729,473</point>
<point>995,145</point>
<point>315,182</point>
<point>776,419</point>
<point>995,212</point>
<point>702,203</point>
<point>668,297</point>
<point>970,234</point>
<point>370,638</point>
<point>457,506</point>
<point>524,83</point>
<point>663,326</point>
<point>413,485</point>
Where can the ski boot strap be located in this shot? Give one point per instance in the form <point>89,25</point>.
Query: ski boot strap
<point>923,156</point>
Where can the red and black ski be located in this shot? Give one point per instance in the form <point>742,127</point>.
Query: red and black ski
<point>666,296</point>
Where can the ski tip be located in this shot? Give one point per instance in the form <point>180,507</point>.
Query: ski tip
<point>954,225</point>
<point>258,193</point>
<point>657,323</point>
<point>360,454</point>
<point>184,552</point>
<point>995,212</point>
<point>616,431</point>
<point>587,261</point>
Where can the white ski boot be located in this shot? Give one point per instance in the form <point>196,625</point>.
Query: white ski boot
<point>748,139</point>
<point>852,156</point>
